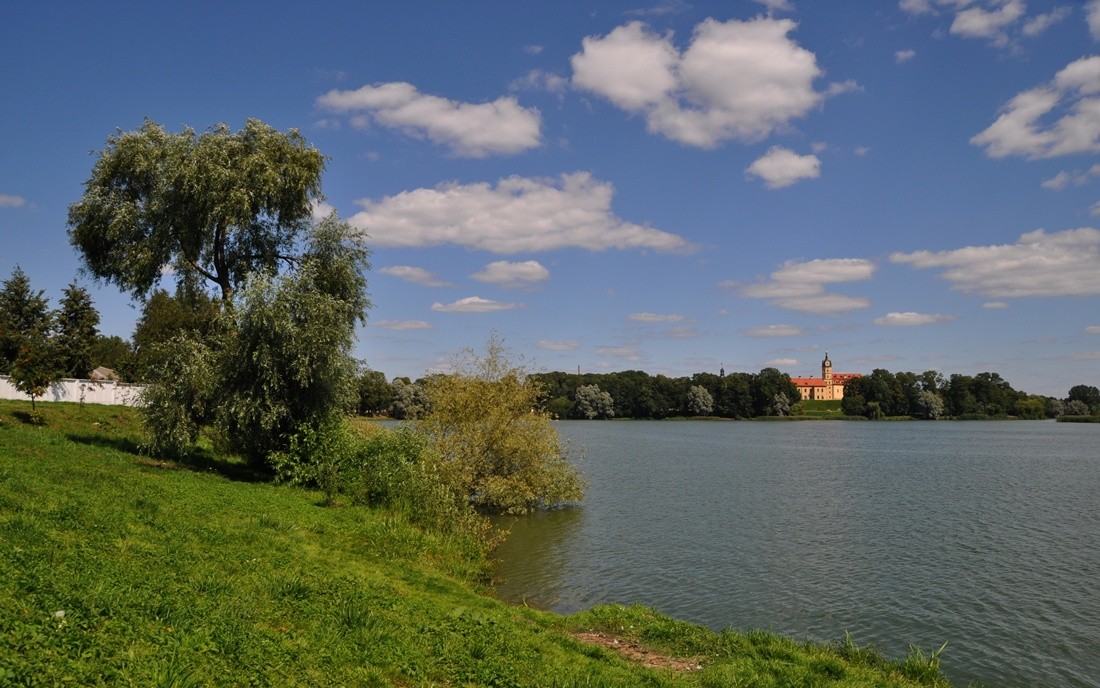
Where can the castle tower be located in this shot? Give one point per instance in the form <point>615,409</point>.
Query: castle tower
<point>827,369</point>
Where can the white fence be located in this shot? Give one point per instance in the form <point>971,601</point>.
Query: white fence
<point>83,391</point>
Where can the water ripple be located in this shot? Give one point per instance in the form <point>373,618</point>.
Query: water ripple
<point>984,535</point>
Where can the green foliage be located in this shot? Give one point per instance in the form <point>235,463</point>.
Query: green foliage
<point>1087,395</point>
<point>180,402</point>
<point>591,402</point>
<point>699,401</point>
<point>215,206</point>
<point>493,445</point>
<point>22,310</point>
<point>281,366</point>
<point>319,453</point>
<point>773,393</point>
<point>36,365</point>
<point>115,353</point>
<point>375,393</point>
<point>410,400</point>
<point>76,321</point>
<point>190,313</point>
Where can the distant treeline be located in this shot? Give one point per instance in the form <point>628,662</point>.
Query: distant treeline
<point>930,395</point>
<point>637,394</point>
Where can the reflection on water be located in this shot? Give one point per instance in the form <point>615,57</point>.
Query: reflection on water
<point>537,547</point>
<point>986,535</point>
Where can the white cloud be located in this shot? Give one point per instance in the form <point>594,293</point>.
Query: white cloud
<point>661,8</point>
<point>474,304</point>
<point>1018,131</point>
<point>837,88</point>
<point>801,286</point>
<point>977,22</point>
<point>1093,329</point>
<point>916,6</point>
<point>995,305</point>
<point>532,49</point>
<point>538,80</point>
<point>682,333</point>
<point>777,5</point>
<point>512,275</point>
<point>1041,22</point>
<point>904,55</point>
<point>736,80</point>
<point>10,201</point>
<point>1039,264</point>
<point>404,325</point>
<point>781,363</point>
<point>781,167</point>
<point>517,215</point>
<point>1092,16</point>
<point>1081,356</point>
<point>567,345</point>
<point>773,331</point>
<point>911,319</point>
<point>470,129</point>
<point>1071,178</point>
<point>627,352</point>
<point>415,275</point>
<point>1095,209</point>
<point>861,151</point>
<point>655,318</point>
<point>320,210</point>
<point>994,20</point>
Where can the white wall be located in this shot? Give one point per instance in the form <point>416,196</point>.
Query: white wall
<point>68,389</point>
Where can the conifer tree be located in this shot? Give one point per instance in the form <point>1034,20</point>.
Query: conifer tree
<point>22,310</point>
<point>77,332</point>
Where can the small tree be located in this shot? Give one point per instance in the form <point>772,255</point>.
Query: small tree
<point>410,401</point>
<point>699,402</point>
<point>492,444</point>
<point>375,393</point>
<point>77,333</point>
<point>593,402</point>
<point>36,367</point>
<point>1087,395</point>
<point>22,310</point>
<point>929,405</point>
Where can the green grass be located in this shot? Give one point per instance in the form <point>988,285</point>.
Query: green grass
<point>117,569</point>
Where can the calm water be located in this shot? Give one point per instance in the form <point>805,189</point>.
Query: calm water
<point>984,535</point>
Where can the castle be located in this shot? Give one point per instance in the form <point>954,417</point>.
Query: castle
<point>828,387</point>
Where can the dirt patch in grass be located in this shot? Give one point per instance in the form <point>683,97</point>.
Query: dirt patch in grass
<point>634,652</point>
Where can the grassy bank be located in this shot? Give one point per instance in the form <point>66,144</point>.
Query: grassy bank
<point>121,570</point>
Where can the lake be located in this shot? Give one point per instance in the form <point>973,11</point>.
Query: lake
<point>985,535</point>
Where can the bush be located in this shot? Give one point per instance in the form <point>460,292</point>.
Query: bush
<point>493,446</point>
<point>320,453</point>
<point>176,406</point>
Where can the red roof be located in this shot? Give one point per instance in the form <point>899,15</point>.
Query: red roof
<point>838,379</point>
<point>808,382</point>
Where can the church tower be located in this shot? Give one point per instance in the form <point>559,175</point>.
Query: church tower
<point>827,369</point>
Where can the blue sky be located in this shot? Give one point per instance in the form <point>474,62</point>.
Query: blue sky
<point>664,186</point>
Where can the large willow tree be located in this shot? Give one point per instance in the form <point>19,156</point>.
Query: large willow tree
<point>214,206</point>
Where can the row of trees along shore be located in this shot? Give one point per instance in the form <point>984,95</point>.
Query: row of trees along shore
<point>636,394</point>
